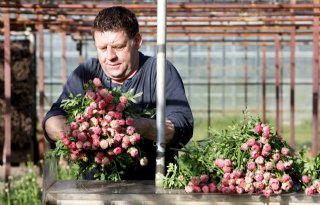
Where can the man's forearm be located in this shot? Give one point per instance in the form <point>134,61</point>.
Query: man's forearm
<point>55,125</point>
<point>148,128</point>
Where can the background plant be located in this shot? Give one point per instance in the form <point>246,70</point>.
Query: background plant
<point>21,190</point>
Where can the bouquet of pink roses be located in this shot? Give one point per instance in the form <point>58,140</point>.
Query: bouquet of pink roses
<point>101,135</point>
<point>248,157</point>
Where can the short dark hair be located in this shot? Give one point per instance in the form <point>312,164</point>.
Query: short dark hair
<point>116,18</point>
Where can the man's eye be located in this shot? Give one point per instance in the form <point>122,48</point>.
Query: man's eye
<point>118,48</point>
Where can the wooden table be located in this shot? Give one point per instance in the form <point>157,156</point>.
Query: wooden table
<point>91,192</point>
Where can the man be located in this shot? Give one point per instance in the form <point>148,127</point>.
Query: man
<point>117,40</point>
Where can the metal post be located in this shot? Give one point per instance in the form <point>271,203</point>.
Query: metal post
<point>189,72</point>
<point>264,68</point>
<point>51,68</point>
<point>172,54</point>
<point>223,76</point>
<point>64,58</point>
<point>7,95</point>
<point>209,88</point>
<point>161,91</point>
<point>245,68</point>
<point>315,98</point>
<point>257,68</point>
<point>79,47</point>
<point>292,82</point>
<point>41,79</point>
<point>280,89</point>
<point>277,73</point>
<point>292,78</point>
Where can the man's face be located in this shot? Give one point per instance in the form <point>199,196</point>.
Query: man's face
<point>118,55</point>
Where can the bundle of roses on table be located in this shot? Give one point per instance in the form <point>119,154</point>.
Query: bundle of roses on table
<point>101,136</point>
<point>247,157</point>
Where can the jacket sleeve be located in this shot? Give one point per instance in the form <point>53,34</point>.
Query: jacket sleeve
<point>74,85</point>
<point>177,108</point>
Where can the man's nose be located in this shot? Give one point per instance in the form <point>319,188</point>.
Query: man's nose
<point>110,53</point>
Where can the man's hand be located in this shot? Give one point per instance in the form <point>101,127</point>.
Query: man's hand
<point>148,128</point>
<point>55,125</point>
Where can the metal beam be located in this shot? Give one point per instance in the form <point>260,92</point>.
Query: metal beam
<point>7,96</point>
<point>161,91</point>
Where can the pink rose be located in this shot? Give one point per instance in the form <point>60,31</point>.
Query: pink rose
<point>266,147</point>
<point>239,190</point>
<point>219,163</point>
<point>244,147</point>
<point>267,176</point>
<point>86,145</point>
<point>305,179</point>
<point>120,107</point>
<point>205,189</point>
<point>97,82</point>
<point>251,142</point>
<point>227,176</point>
<point>117,150</point>
<point>133,152</point>
<point>212,187</point>
<point>103,92</point>
<point>258,129</point>
<point>309,191</point>
<point>66,141</point>
<point>258,177</point>
<point>91,95</point>
<point>287,185</point>
<point>108,98</point>
<point>204,178</point>
<point>255,148</point>
<point>73,157</point>
<point>254,154</point>
<point>104,144</point>
<point>79,145</point>
<point>265,153</point>
<point>124,99</point>
<point>82,136</point>
<point>227,162</point>
<point>130,130</point>
<point>227,169</point>
<point>284,151</point>
<point>280,166</point>
<point>266,128</point>
<point>102,104</point>
<point>266,134</point>
<point>286,178</point>
<point>188,189</point>
<point>259,160</point>
<point>195,180</point>
<point>269,166</point>
<point>129,121</point>
<point>251,166</point>
<point>74,125</point>
<point>267,192</point>
<point>287,165</point>
<point>275,186</point>
<point>143,161</point>
<point>122,122</point>
<point>276,156</point>
<point>118,115</point>
<point>105,161</point>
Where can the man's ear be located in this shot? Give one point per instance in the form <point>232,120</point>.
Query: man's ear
<point>138,40</point>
